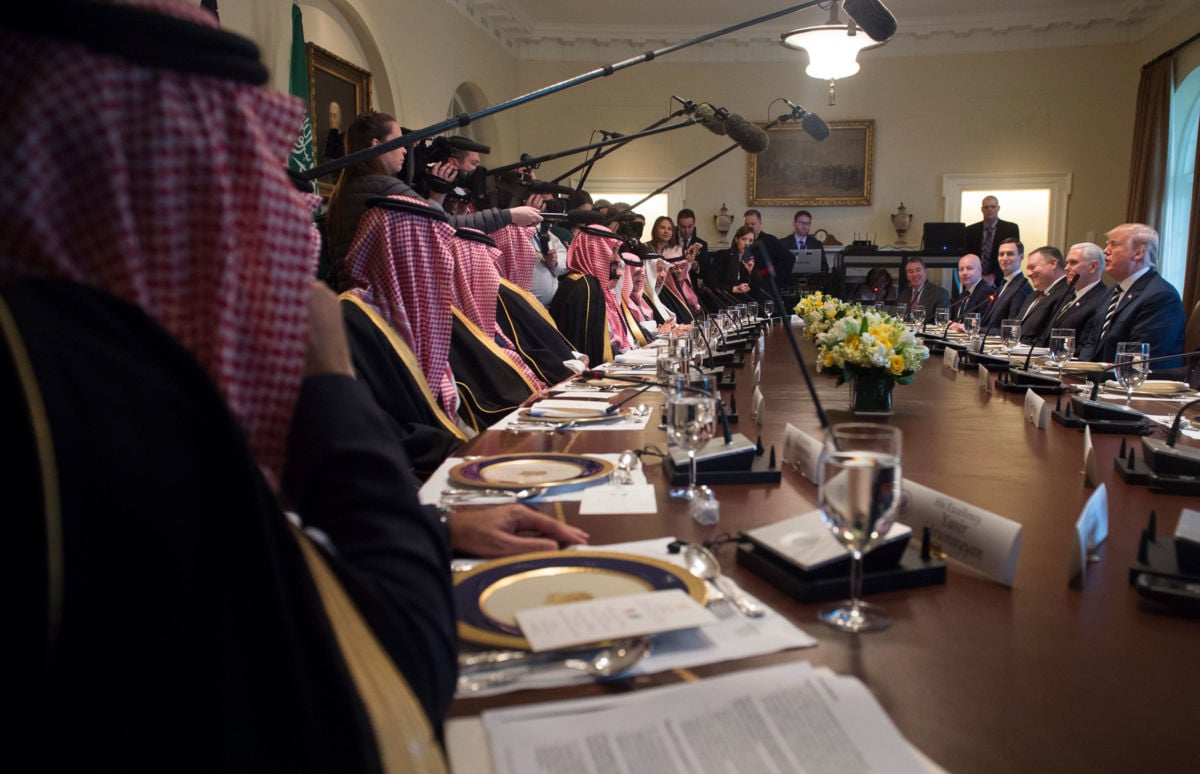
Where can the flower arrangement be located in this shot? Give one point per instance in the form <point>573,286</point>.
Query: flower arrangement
<point>853,341</point>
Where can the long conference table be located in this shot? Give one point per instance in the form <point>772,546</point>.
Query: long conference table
<point>978,676</point>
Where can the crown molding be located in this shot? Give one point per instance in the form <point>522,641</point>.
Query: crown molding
<point>1111,21</point>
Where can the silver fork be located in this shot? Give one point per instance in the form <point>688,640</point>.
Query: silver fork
<point>719,602</point>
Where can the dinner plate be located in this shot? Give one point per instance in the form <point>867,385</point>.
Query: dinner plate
<point>580,417</point>
<point>489,596</point>
<point>1153,387</point>
<point>1084,367</point>
<point>519,471</point>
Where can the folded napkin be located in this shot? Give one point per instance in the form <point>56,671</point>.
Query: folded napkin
<point>568,409</point>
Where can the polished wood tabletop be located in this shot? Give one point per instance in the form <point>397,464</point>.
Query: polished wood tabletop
<point>981,677</point>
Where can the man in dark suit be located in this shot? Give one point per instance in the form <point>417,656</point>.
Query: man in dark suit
<point>1013,288</point>
<point>1049,278</point>
<point>985,236</point>
<point>685,230</point>
<point>799,239</point>
<point>920,292</point>
<point>1142,307</point>
<point>1085,265</point>
<point>976,295</point>
<point>781,255</point>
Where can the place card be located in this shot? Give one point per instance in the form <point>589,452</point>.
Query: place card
<point>609,618</point>
<point>1091,529</point>
<point>950,358</point>
<point>982,540</point>
<point>1037,410</point>
<point>801,451</point>
<point>758,406</point>
<point>985,379</point>
<point>1091,468</point>
<point>618,498</point>
<point>758,372</point>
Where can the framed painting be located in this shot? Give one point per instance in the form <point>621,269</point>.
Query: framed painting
<point>338,91</point>
<point>795,169</point>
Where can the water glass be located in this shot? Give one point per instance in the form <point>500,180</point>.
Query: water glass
<point>859,496</point>
<point>1131,365</point>
<point>942,317</point>
<point>902,311</point>
<point>918,314</point>
<point>1062,346</point>
<point>971,323</point>
<point>1010,333</point>
<point>691,421</point>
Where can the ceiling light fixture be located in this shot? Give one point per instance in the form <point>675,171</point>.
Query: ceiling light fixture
<point>832,48</point>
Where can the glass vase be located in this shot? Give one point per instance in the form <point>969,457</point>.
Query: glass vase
<point>871,393</point>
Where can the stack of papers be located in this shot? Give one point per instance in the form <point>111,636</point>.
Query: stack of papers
<point>783,718</point>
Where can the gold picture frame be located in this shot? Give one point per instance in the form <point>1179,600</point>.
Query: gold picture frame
<point>796,170</point>
<point>333,81</point>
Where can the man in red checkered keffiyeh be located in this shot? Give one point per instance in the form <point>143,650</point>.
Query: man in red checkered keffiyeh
<point>476,287</point>
<point>403,266</point>
<point>593,255</point>
<point>517,256</point>
<point>171,223</point>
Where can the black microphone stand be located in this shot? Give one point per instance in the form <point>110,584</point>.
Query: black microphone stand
<point>703,164</point>
<point>412,138</point>
<point>618,143</point>
<point>768,271</point>
<point>530,161</point>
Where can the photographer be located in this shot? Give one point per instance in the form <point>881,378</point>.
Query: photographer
<point>376,177</point>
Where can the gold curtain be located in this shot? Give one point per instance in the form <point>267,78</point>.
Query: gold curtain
<point>1151,137</point>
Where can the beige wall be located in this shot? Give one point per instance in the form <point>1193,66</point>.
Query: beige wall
<point>1029,111</point>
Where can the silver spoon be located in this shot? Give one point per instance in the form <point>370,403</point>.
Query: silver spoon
<point>626,464</point>
<point>701,563</point>
<point>606,662</point>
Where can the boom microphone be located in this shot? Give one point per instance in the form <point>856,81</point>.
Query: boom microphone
<point>752,138</point>
<point>874,18</point>
<point>712,118</point>
<point>812,123</point>
<point>545,187</point>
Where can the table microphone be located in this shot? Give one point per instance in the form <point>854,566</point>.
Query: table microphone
<point>647,384</point>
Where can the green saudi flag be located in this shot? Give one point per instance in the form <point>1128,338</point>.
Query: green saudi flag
<point>302,152</point>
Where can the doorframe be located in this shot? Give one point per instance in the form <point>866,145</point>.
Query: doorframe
<point>1059,183</point>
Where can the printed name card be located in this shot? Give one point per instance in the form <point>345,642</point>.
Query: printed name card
<point>758,372</point>
<point>759,406</point>
<point>1037,410</point>
<point>801,451</point>
<point>1091,529</point>
<point>982,540</point>
<point>950,358</point>
<point>608,618</point>
<point>1091,468</point>
<point>985,379</point>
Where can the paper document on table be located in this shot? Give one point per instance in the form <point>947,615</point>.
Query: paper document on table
<point>555,627</point>
<point>783,718</point>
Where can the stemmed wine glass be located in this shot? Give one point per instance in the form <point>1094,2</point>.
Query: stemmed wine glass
<point>691,421</point>
<point>1062,346</point>
<point>902,312</point>
<point>942,317</point>
<point>859,496</point>
<point>1010,334</point>
<point>918,314</point>
<point>1131,365</point>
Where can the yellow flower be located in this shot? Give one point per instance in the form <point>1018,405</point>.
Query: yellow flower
<point>828,358</point>
<point>897,364</point>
